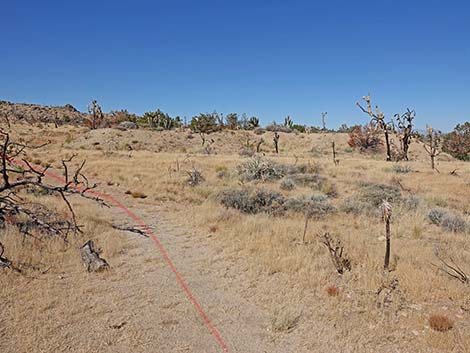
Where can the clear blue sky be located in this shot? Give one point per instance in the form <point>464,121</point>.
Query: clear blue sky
<point>265,58</point>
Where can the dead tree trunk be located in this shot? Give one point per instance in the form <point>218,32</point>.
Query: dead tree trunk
<point>386,215</point>
<point>335,161</point>
<point>276,142</point>
<point>203,138</point>
<point>387,143</point>
<point>4,262</point>
<point>258,145</point>
<point>91,258</point>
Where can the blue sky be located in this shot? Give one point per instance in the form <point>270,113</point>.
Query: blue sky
<point>265,58</point>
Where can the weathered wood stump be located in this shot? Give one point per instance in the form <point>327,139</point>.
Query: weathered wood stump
<point>91,258</point>
<point>4,262</point>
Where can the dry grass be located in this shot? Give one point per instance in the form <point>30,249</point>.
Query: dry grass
<point>270,246</point>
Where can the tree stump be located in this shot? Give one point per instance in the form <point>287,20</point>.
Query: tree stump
<point>91,258</point>
<point>4,262</point>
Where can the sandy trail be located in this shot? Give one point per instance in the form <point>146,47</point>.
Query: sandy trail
<point>138,305</point>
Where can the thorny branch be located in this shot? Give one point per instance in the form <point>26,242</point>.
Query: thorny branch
<point>19,175</point>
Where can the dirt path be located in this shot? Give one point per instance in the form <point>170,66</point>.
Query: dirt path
<point>166,315</point>
<point>139,306</point>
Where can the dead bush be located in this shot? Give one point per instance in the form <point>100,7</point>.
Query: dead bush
<point>440,323</point>
<point>332,291</point>
<point>366,138</point>
<point>194,177</point>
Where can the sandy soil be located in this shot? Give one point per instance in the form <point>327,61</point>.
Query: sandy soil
<point>138,305</point>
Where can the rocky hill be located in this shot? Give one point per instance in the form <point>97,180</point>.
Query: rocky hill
<point>41,113</point>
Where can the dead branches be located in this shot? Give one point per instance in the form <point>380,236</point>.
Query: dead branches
<point>451,268</point>
<point>132,229</point>
<point>18,175</point>
<point>335,249</point>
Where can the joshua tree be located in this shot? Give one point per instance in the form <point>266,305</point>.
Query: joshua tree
<point>219,117</point>
<point>386,216</point>
<point>96,113</point>
<point>159,119</point>
<point>204,123</point>
<point>232,121</point>
<point>323,119</point>
<point>405,130</point>
<point>288,122</point>
<point>253,123</point>
<point>378,119</point>
<point>431,144</point>
<point>276,142</point>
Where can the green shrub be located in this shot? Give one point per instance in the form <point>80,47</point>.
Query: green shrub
<point>436,215</point>
<point>369,198</point>
<point>401,169</point>
<point>253,201</point>
<point>287,184</point>
<point>449,221</point>
<point>375,194</point>
<point>205,123</point>
<point>315,205</point>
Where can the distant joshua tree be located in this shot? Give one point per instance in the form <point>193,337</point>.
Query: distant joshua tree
<point>432,142</point>
<point>378,119</point>
<point>288,122</point>
<point>405,130</point>
<point>323,119</point>
<point>231,121</point>
<point>253,123</point>
<point>96,118</point>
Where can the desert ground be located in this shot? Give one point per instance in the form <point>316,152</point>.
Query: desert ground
<point>264,285</point>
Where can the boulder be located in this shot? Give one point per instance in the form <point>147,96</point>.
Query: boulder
<point>127,125</point>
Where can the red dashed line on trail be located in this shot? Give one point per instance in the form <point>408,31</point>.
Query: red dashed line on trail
<point>155,239</point>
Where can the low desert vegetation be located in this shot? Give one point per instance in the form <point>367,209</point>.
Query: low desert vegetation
<point>367,246</point>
